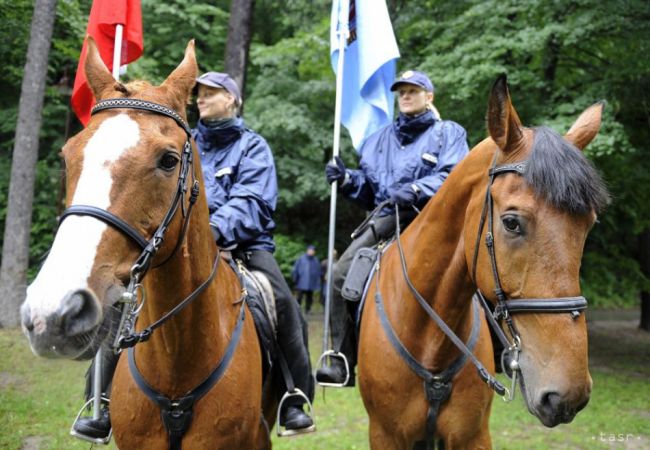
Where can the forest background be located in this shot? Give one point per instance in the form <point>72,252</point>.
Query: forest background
<point>560,56</point>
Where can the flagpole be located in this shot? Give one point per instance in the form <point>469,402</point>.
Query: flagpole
<point>97,379</point>
<point>343,36</point>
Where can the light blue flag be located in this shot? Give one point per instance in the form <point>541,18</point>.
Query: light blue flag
<point>369,66</point>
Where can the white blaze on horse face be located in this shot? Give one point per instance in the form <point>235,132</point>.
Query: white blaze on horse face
<point>73,252</point>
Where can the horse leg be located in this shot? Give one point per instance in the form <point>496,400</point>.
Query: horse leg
<point>382,439</point>
<point>263,436</point>
<point>480,441</point>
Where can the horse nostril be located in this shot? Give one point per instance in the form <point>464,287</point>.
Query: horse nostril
<point>551,401</point>
<point>80,313</point>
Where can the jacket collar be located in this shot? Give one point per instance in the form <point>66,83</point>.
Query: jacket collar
<point>407,128</point>
<point>220,136</point>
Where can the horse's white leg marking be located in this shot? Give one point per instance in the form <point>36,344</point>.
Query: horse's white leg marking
<point>71,258</point>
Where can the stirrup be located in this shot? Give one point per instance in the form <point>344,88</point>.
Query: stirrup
<point>295,393</point>
<point>73,432</point>
<point>333,354</point>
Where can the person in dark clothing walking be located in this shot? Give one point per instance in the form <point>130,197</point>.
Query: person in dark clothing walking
<point>405,163</point>
<point>306,277</point>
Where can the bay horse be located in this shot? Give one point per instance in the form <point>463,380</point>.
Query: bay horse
<point>509,222</point>
<point>135,207</point>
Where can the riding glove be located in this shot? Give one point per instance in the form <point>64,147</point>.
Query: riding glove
<point>215,233</point>
<point>406,195</point>
<point>335,171</point>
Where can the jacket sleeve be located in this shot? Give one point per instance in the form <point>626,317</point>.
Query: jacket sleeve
<point>251,201</point>
<point>454,149</point>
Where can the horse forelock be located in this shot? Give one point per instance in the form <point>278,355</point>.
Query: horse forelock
<point>560,173</point>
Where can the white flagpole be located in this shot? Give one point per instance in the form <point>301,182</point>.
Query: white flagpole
<point>343,33</point>
<point>97,379</point>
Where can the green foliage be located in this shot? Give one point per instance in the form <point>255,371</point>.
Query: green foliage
<point>560,57</point>
<point>287,252</point>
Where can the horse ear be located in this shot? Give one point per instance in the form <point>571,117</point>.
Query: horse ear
<point>503,122</point>
<point>181,81</point>
<point>586,127</point>
<point>99,78</point>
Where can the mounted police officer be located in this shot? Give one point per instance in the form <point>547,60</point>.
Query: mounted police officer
<point>241,189</point>
<point>404,163</point>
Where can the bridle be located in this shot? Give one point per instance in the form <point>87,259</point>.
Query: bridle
<point>505,308</point>
<point>125,336</point>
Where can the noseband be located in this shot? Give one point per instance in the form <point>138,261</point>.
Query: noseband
<point>505,308</point>
<point>125,335</point>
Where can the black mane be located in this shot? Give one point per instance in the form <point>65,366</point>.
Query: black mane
<point>560,173</point>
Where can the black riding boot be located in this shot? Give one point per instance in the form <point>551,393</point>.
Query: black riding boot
<point>291,338</point>
<point>88,427</point>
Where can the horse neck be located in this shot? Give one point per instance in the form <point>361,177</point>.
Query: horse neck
<point>435,252</point>
<point>183,351</point>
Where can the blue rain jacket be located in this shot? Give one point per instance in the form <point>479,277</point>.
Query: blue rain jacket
<point>306,273</point>
<point>418,150</point>
<point>240,184</point>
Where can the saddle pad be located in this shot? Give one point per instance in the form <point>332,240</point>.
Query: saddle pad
<point>360,269</point>
<point>261,304</point>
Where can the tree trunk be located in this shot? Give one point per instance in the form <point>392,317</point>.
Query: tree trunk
<point>239,40</point>
<point>644,260</point>
<point>15,252</point>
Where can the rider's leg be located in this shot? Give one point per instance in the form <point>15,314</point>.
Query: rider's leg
<point>88,426</point>
<point>292,339</point>
<point>342,316</point>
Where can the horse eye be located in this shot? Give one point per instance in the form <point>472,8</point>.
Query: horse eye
<point>511,224</point>
<point>168,161</point>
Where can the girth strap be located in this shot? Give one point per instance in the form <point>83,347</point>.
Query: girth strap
<point>106,217</point>
<point>176,415</point>
<point>437,387</point>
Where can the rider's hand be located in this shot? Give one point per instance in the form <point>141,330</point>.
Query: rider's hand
<point>335,171</point>
<point>406,195</point>
<point>215,233</point>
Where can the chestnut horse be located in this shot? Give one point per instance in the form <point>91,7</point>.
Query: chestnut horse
<point>132,180</point>
<point>511,222</point>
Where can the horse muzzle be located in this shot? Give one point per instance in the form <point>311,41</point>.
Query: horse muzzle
<point>552,409</point>
<point>69,330</point>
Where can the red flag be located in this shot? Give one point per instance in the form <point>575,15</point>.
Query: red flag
<point>105,15</point>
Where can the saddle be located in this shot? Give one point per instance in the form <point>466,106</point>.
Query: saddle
<point>261,304</point>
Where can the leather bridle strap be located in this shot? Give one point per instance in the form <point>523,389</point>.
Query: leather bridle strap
<point>143,105</point>
<point>110,219</point>
<point>491,381</point>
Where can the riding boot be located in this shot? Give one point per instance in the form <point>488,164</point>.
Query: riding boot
<point>100,428</point>
<point>291,338</point>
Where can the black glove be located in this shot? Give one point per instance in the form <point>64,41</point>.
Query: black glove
<point>335,170</point>
<point>215,233</point>
<point>406,195</point>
